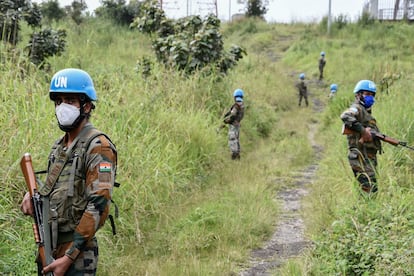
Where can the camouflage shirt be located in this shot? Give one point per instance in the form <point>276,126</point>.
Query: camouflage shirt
<point>235,114</point>
<point>322,62</point>
<point>301,86</point>
<point>357,118</point>
<point>82,194</point>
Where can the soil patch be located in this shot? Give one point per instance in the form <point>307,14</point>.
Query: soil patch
<point>288,240</point>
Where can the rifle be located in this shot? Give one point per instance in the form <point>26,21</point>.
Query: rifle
<point>382,137</point>
<point>41,228</point>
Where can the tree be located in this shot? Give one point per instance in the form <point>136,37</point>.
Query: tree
<point>51,10</point>
<point>256,8</point>
<point>11,13</point>
<point>189,44</point>
<point>77,7</point>
<point>44,44</point>
<point>118,11</point>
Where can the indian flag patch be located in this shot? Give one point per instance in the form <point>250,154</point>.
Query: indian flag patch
<point>105,167</point>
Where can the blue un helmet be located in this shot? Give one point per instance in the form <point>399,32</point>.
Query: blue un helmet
<point>365,85</point>
<point>334,87</point>
<point>322,54</point>
<point>238,93</point>
<point>72,80</point>
<point>302,76</point>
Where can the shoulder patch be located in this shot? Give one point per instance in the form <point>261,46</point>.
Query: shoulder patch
<point>105,167</point>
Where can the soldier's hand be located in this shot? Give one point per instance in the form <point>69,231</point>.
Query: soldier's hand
<point>366,136</point>
<point>26,206</point>
<point>59,266</point>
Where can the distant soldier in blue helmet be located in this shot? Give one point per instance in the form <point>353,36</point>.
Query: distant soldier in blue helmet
<point>362,147</point>
<point>302,89</point>
<point>80,177</point>
<point>233,118</point>
<point>321,66</point>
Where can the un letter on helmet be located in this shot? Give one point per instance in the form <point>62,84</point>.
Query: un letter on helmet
<point>61,82</point>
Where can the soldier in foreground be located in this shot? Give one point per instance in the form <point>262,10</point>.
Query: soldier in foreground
<point>81,175</point>
<point>362,148</point>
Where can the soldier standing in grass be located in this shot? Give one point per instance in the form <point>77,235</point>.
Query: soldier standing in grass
<point>233,118</point>
<point>81,175</point>
<point>322,63</point>
<point>302,89</point>
<point>362,148</point>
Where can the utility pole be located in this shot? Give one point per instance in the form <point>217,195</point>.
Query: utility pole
<point>329,17</point>
<point>229,10</point>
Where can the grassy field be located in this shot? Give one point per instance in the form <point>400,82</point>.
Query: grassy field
<point>185,207</point>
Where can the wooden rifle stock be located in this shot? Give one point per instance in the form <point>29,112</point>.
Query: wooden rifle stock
<point>38,225</point>
<point>376,134</point>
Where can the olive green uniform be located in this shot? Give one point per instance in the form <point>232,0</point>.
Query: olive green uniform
<point>233,118</point>
<point>303,91</point>
<point>322,63</point>
<point>362,157</point>
<point>79,185</point>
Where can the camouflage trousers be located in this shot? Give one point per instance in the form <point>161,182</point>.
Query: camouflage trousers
<point>234,142</point>
<point>87,261</point>
<point>305,96</point>
<point>364,168</point>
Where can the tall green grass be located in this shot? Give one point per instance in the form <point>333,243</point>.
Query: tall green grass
<point>354,236</point>
<point>185,207</point>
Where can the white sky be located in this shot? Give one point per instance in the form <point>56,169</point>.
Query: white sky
<point>285,11</point>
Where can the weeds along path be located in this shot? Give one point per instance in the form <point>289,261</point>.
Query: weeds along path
<point>289,239</point>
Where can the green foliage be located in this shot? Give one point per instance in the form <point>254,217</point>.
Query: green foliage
<point>44,44</point>
<point>189,44</point>
<point>369,239</point>
<point>366,20</point>
<point>179,189</point>
<point>151,18</point>
<point>118,11</point>
<point>181,200</point>
<point>11,13</point>
<point>255,8</point>
<point>144,66</point>
<point>51,10</point>
<point>354,235</point>
<point>76,9</point>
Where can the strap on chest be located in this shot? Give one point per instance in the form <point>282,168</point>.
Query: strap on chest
<point>85,137</point>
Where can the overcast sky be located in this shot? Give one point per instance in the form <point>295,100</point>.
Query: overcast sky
<point>279,10</point>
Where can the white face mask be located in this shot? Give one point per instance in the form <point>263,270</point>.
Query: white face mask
<point>67,114</point>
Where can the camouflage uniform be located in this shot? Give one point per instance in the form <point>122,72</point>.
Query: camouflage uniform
<point>303,91</point>
<point>322,63</point>
<point>80,198</point>
<point>362,157</point>
<point>233,118</point>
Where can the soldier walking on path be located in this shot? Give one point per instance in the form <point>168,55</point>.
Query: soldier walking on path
<point>233,118</point>
<point>362,148</point>
<point>322,63</point>
<point>302,89</point>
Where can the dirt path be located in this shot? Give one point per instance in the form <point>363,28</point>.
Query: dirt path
<point>289,239</point>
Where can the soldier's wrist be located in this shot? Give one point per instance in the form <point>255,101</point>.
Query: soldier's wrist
<point>72,253</point>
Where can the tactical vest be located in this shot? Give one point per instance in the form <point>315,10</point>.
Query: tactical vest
<point>236,119</point>
<point>367,120</point>
<point>65,184</point>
